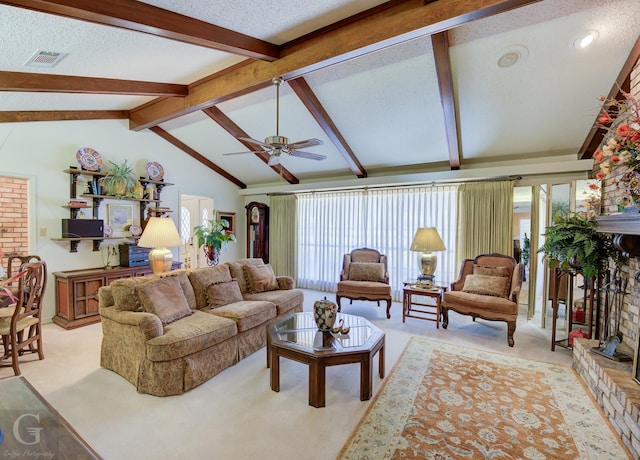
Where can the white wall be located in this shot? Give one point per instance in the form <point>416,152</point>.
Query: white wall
<point>42,150</point>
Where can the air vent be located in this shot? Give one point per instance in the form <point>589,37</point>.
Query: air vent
<point>45,59</point>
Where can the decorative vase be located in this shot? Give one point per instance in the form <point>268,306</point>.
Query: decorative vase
<point>138,191</point>
<point>212,254</point>
<point>325,312</point>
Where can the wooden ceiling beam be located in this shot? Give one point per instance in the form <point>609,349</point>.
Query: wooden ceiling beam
<point>149,19</point>
<point>622,84</point>
<point>58,115</point>
<point>313,105</point>
<point>232,128</point>
<point>367,33</point>
<point>196,155</point>
<point>47,83</point>
<point>440,42</point>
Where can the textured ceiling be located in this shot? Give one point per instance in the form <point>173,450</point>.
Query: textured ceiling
<point>386,104</point>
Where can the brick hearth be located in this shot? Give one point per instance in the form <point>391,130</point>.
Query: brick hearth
<point>615,391</point>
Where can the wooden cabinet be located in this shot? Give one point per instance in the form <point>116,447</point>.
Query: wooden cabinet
<point>77,292</point>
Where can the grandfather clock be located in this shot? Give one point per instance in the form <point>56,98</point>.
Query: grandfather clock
<point>258,230</point>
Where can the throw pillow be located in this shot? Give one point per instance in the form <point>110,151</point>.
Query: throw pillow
<point>202,277</point>
<point>185,284</point>
<point>495,286</point>
<point>223,293</point>
<point>124,294</point>
<point>164,298</point>
<point>261,278</point>
<point>363,271</point>
<point>492,271</point>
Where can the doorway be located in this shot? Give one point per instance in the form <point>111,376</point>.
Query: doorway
<point>194,211</point>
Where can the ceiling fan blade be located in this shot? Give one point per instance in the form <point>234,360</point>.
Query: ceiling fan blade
<point>273,160</point>
<point>242,153</point>
<point>255,142</point>
<point>305,144</point>
<point>309,155</point>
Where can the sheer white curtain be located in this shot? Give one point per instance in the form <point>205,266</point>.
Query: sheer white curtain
<point>335,223</point>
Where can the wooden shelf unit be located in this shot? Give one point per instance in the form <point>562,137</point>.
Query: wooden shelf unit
<point>74,173</point>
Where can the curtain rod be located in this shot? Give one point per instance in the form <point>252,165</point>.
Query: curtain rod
<point>418,184</point>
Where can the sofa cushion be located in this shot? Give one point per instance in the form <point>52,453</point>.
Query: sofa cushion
<point>285,300</point>
<point>359,271</point>
<point>164,298</point>
<point>125,295</point>
<point>202,277</point>
<point>247,314</point>
<point>477,302</point>
<point>237,271</point>
<point>492,271</point>
<point>189,335</point>
<point>261,278</point>
<point>185,284</point>
<point>496,286</point>
<point>223,293</point>
<point>364,288</point>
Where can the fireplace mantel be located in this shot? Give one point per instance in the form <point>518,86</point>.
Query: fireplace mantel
<point>626,228</point>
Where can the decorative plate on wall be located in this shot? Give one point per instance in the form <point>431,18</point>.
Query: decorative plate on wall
<point>89,159</point>
<point>135,230</point>
<point>155,170</point>
<point>108,231</point>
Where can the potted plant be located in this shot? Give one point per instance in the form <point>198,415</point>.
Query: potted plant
<point>574,242</point>
<point>213,237</point>
<point>120,180</point>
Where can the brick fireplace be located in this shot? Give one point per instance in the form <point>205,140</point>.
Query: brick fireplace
<point>610,382</point>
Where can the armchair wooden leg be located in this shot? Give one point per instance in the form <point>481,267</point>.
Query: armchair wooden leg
<point>338,302</point>
<point>511,328</point>
<point>445,318</point>
<point>388,308</point>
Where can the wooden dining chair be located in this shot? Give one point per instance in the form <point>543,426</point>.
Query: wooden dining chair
<point>21,324</point>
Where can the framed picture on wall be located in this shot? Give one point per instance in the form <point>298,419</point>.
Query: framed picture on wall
<point>120,218</point>
<point>229,218</point>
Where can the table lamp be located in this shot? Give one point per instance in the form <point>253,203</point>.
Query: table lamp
<point>160,233</point>
<point>425,241</point>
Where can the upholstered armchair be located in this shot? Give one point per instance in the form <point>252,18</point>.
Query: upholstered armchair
<point>488,287</point>
<point>364,277</point>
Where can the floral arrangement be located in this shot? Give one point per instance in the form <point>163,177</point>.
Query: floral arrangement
<point>621,143</point>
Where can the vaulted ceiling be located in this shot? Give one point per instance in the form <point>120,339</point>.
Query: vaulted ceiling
<point>396,91</point>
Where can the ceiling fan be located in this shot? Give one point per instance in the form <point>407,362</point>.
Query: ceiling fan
<point>277,145</point>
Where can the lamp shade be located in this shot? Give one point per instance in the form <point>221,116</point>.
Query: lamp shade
<point>427,239</point>
<point>160,233</point>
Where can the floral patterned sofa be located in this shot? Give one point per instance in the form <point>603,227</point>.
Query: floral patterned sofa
<point>169,333</point>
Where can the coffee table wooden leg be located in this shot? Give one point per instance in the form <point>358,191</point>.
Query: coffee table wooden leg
<point>317,384</point>
<point>275,370</point>
<point>381,361</point>
<point>366,389</point>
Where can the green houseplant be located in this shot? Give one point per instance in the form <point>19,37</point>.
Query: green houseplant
<point>574,242</point>
<point>120,180</point>
<point>213,237</point>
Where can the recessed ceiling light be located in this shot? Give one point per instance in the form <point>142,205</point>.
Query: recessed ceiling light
<point>512,55</point>
<point>585,39</point>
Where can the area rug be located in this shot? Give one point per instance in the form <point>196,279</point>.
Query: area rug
<point>442,401</point>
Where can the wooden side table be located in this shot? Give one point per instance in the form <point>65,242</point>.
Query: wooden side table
<point>409,305</point>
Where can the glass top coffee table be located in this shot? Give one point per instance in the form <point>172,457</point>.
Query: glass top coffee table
<point>297,337</point>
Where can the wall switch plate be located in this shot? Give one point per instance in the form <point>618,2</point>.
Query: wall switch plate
<point>43,231</point>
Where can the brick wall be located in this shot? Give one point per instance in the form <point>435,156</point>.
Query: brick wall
<point>630,316</point>
<point>14,216</point>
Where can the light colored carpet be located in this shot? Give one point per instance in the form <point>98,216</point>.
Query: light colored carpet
<point>235,415</point>
<point>443,401</point>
